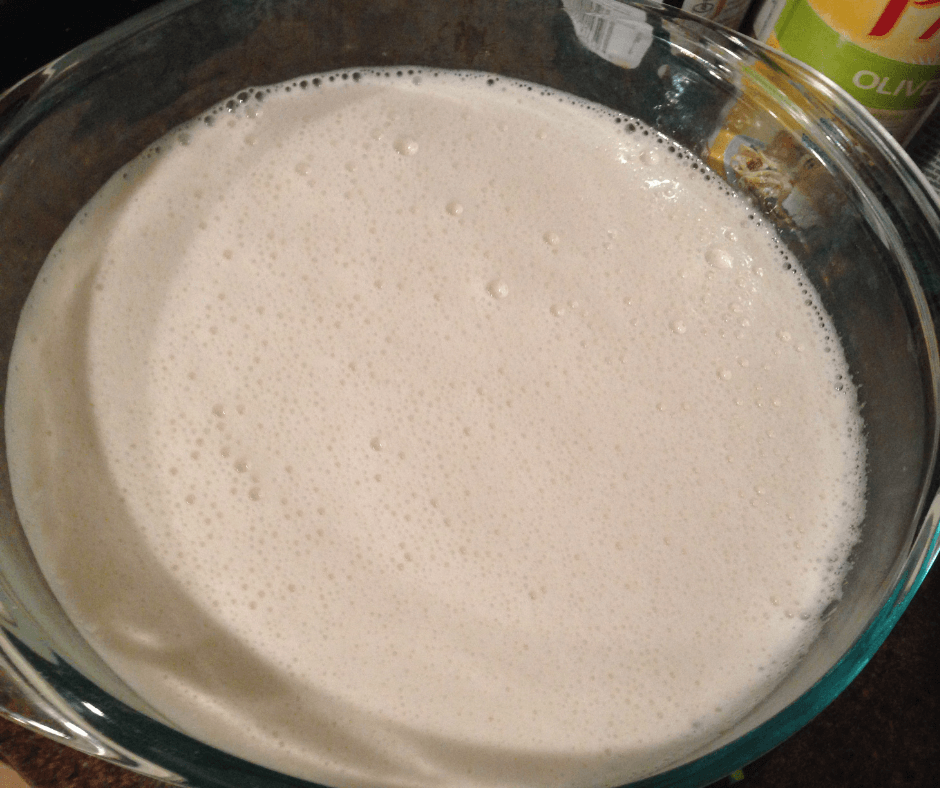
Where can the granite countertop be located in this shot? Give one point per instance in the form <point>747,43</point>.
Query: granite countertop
<point>882,732</point>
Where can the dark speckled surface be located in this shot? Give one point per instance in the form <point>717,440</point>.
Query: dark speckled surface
<point>882,732</point>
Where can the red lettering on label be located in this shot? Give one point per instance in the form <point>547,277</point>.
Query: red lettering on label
<point>892,13</point>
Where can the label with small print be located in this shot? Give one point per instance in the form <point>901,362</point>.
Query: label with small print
<point>620,33</point>
<point>884,53</point>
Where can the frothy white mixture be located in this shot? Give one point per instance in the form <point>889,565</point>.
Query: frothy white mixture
<point>428,430</point>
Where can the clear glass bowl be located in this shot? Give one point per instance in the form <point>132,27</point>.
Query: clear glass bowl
<point>860,217</point>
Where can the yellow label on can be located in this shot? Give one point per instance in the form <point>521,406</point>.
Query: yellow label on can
<point>885,53</point>
<point>905,30</point>
<point>764,154</point>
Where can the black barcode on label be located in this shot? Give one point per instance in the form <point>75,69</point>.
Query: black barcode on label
<point>599,27</point>
<point>619,33</point>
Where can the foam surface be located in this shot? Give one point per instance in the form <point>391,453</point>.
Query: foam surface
<point>433,429</point>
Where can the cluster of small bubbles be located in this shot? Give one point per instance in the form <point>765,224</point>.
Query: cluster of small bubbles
<point>422,514</point>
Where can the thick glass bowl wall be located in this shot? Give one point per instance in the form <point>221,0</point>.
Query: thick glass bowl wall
<point>65,130</point>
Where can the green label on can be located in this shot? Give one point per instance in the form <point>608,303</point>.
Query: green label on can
<point>876,81</point>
